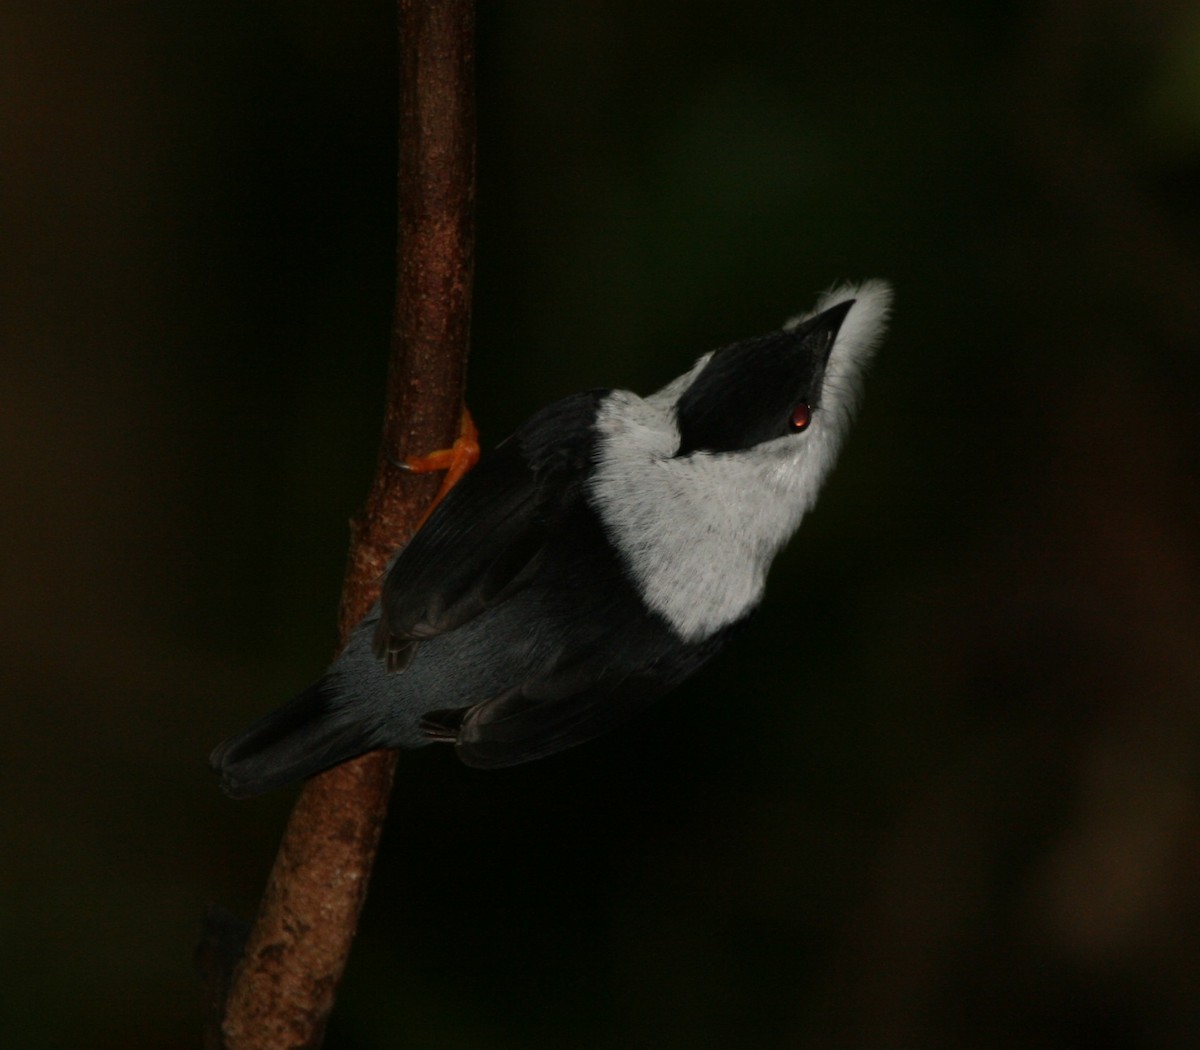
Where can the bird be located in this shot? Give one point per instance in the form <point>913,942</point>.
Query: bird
<point>592,561</point>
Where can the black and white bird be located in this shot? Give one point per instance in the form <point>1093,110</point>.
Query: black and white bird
<point>592,561</point>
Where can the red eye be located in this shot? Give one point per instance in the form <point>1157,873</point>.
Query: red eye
<point>801,417</point>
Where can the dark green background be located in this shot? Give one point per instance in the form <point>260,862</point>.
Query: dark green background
<point>946,793</point>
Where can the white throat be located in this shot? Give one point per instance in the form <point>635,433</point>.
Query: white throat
<point>697,534</point>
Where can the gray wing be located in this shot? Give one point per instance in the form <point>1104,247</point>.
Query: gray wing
<point>483,541</point>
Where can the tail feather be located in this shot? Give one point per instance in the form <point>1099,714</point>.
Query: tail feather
<point>306,735</point>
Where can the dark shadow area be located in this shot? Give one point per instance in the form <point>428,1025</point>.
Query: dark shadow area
<point>945,793</point>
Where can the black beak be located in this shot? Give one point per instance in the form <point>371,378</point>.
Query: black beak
<point>819,333</point>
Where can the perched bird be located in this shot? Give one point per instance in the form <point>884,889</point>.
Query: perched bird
<point>591,562</point>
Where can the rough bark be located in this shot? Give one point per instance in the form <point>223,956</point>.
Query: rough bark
<point>283,989</point>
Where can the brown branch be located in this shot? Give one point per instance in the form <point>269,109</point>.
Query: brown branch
<point>283,989</point>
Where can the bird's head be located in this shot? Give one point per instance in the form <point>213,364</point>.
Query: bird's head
<point>800,380</point>
<point>700,484</point>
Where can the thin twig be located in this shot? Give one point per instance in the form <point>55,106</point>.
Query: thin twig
<point>284,987</point>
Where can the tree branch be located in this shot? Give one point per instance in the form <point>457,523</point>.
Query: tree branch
<point>284,987</point>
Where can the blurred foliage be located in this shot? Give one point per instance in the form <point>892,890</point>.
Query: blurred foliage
<point>944,794</point>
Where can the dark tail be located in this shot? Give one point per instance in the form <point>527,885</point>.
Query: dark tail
<point>305,736</point>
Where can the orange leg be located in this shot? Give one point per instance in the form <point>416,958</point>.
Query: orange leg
<point>455,460</point>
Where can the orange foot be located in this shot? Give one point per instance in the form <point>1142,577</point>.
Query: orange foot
<point>455,460</point>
